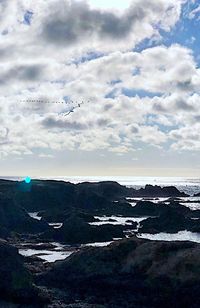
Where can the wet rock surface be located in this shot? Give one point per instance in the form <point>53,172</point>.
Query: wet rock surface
<point>169,221</point>
<point>16,283</point>
<point>128,273</point>
<point>15,219</point>
<point>131,273</point>
<point>75,231</point>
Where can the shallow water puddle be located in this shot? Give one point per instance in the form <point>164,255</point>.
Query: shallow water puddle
<point>97,244</point>
<point>46,255</point>
<point>117,220</point>
<point>35,215</point>
<point>179,236</point>
<point>58,252</point>
<point>56,225</point>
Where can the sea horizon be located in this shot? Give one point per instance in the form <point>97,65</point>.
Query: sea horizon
<point>189,185</point>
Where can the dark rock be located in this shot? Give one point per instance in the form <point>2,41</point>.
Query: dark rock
<point>131,273</point>
<point>170,221</point>
<point>172,199</point>
<point>157,191</point>
<point>180,208</point>
<point>108,189</point>
<point>75,231</point>
<point>16,219</point>
<point>86,217</point>
<point>111,220</point>
<point>148,208</point>
<point>59,215</point>
<point>45,195</point>
<point>56,199</point>
<point>40,246</point>
<point>195,226</point>
<point>194,214</point>
<point>16,283</point>
<point>130,222</point>
<point>131,200</point>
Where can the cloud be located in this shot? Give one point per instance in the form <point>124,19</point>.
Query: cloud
<point>184,106</point>
<point>119,124</point>
<point>194,12</point>
<point>44,155</point>
<point>53,122</point>
<point>22,73</point>
<point>40,61</point>
<point>69,28</point>
<point>71,22</point>
<point>186,138</point>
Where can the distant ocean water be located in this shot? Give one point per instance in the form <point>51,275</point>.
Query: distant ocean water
<point>188,185</point>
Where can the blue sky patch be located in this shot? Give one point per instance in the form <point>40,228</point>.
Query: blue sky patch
<point>185,32</point>
<point>28,17</point>
<point>139,92</point>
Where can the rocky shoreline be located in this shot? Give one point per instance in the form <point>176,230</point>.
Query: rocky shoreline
<point>53,220</point>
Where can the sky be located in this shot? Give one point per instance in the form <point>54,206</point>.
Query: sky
<point>134,68</point>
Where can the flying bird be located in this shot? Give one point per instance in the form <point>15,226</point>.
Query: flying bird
<point>68,112</point>
<point>79,105</point>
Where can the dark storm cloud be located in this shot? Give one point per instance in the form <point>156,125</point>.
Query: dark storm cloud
<point>76,21</point>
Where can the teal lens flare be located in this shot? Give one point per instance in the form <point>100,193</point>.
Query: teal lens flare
<point>27,180</point>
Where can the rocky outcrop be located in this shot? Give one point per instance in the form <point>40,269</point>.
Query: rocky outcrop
<point>113,190</point>
<point>194,214</point>
<point>100,208</point>
<point>76,231</point>
<point>42,195</point>
<point>170,221</point>
<point>180,208</point>
<point>157,191</point>
<point>16,283</point>
<point>131,273</point>
<point>57,215</point>
<point>148,208</point>
<point>16,219</point>
<point>108,189</point>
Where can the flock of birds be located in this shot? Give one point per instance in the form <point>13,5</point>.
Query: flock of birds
<point>72,110</point>
<point>78,105</point>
